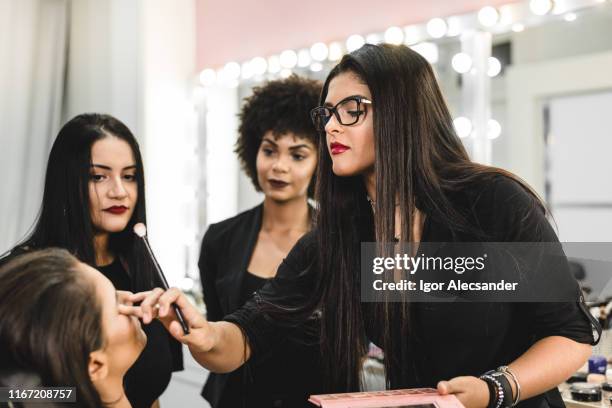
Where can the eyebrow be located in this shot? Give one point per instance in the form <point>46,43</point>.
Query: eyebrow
<point>345,98</point>
<point>101,166</point>
<point>296,147</point>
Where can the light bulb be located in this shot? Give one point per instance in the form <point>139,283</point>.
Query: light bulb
<point>437,27</point>
<point>461,62</point>
<point>488,16</point>
<point>463,126</point>
<point>208,77</point>
<point>354,42</point>
<point>394,35</point>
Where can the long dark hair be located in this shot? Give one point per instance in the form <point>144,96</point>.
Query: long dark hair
<point>64,220</point>
<point>50,321</point>
<point>420,162</point>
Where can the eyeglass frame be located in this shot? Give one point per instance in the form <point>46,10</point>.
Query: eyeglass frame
<point>334,110</point>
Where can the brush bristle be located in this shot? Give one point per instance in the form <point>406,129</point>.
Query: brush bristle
<point>140,229</point>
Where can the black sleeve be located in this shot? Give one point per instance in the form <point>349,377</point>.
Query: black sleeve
<point>176,349</point>
<point>208,273</point>
<point>291,288</point>
<point>524,220</point>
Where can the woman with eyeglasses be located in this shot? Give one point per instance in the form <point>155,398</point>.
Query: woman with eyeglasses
<point>392,168</point>
<point>277,147</point>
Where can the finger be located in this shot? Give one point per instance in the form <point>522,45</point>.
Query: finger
<point>190,313</point>
<point>130,310</point>
<point>147,305</point>
<point>445,387</point>
<point>139,297</point>
<point>176,331</point>
<point>123,297</point>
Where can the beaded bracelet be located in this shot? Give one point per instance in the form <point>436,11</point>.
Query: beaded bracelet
<point>498,397</point>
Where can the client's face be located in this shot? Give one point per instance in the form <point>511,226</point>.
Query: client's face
<point>124,338</point>
<point>351,147</point>
<point>285,166</point>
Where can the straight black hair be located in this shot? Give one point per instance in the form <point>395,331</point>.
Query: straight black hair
<point>64,220</point>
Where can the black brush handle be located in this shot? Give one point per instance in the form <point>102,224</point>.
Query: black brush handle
<point>165,285</point>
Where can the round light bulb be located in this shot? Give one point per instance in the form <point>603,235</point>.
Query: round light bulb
<point>463,126</point>
<point>494,67</point>
<point>494,129</point>
<point>304,59</point>
<point>354,42</point>
<point>319,51</point>
<point>335,51</point>
<point>288,59</point>
<point>394,35</point>
<point>462,62</point>
<point>541,7</point>
<point>412,35</point>
<point>437,27</point>
<point>247,70</point>
<point>374,38</point>
<point>208,77</point>
<point>316,67</point>
<point>285,73</point>
<point>259,65</point>
<point>231,70</point>
<point>274,65</point>
<point>488,16</point>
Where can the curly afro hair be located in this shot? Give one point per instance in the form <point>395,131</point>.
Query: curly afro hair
<point>280,106</point>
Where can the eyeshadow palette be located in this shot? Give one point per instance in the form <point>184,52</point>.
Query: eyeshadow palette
<point>405,398</point>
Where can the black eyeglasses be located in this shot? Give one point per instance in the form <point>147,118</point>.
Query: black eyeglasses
<point>347,112</point>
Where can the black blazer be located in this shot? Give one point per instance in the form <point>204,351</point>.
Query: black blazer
<point>226,251</point>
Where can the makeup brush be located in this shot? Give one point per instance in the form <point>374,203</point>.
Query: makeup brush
<point>141,230</point>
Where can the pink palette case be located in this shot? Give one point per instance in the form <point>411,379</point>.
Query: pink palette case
<point>405,398</point>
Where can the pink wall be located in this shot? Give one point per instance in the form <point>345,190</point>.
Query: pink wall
<point>236,30</point>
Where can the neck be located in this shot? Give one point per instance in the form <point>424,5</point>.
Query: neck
<point>103,254</point>
<point>285,216</point>
<point>112,394</point>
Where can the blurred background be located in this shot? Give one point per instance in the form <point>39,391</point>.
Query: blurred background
<point>529,84</point>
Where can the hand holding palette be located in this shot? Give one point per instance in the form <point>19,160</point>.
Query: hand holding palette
<point>405,398</point>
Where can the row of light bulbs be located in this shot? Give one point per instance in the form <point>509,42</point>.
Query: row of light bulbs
<point>314,57</point>
<point>464,128</point>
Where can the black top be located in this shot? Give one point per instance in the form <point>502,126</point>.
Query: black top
<point>251,284</point>
<point>147,379</point>
<point>449,339</point>
<point>285,377</point>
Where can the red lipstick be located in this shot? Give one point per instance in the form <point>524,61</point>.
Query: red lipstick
<point>116,209</point>
<point>338,148</point>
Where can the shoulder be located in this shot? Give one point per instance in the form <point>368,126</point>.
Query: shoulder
<point>506,209</point>
<point>302,259</point>
<point>229,226</point>
<point>14,253</point>
<point>304,252</point>
<point>505,193</point>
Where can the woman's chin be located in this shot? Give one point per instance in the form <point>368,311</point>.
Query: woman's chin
<point>343,171</point>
